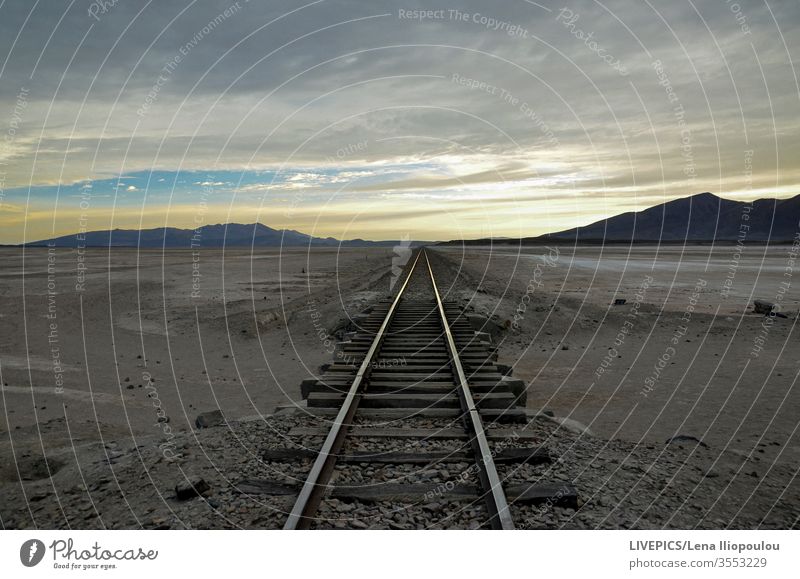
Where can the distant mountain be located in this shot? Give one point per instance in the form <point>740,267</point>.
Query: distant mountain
<point>699,218</point>
<point>702,217</point>
<point>220,235</point>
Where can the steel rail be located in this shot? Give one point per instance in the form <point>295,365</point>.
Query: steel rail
<point>493,488</point>
<point>316,483</point>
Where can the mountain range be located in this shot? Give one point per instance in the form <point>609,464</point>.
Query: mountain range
<point>700,218</point>
<point>220,235</point>
<point>704,217</point>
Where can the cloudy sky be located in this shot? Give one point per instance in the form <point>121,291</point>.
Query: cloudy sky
<point>380,119</point>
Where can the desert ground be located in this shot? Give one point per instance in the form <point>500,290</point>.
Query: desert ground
<point>107,357</point>
<point>689,354</point>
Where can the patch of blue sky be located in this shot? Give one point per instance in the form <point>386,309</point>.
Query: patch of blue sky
<point>305,184</point>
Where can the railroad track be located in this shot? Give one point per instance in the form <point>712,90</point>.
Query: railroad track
<point>417,358</point>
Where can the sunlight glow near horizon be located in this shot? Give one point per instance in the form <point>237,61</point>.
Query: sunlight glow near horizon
<point>476,211</point>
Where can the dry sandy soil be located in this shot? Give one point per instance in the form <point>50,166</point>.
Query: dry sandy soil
<point>240,336</point>
<point>685,354</point>
<point>102,378</point>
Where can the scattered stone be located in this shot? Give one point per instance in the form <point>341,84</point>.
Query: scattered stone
<point>192,487</point>
<point>159,523</point>
<point>483,324</point>
<point>684,438</point>
<point>505,369</point>
<point>661,476</point>
<point>209,419</point>
<point>763,307</point>
<point>345,507</point>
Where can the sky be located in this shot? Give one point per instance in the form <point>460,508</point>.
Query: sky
<point>384,119</point>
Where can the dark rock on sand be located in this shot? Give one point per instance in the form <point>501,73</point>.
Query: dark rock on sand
<point>191,487</point>
<point>209,419</point>
<point>685,438</point>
